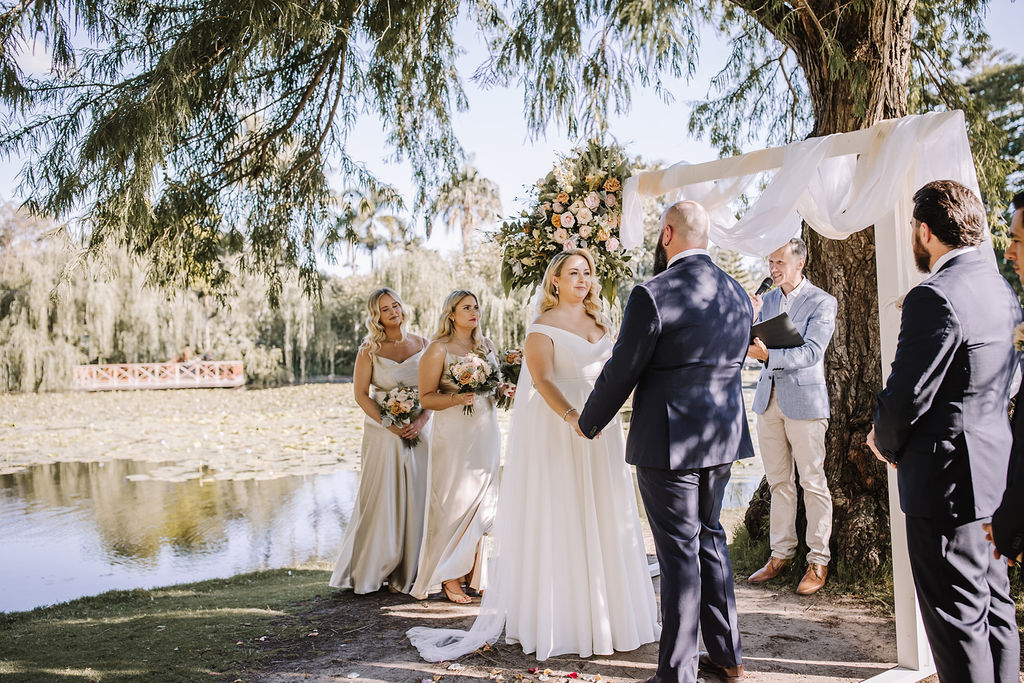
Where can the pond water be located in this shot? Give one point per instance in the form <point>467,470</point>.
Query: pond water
<point>75,529</point>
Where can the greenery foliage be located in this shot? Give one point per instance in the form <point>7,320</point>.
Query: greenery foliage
<point>465,201</point>
<point>59,309</point>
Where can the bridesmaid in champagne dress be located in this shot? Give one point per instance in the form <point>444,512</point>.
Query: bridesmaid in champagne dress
<point>382,540</point>
<point>464,457</point>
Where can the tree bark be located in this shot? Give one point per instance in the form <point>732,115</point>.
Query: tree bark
<point>875,39</point>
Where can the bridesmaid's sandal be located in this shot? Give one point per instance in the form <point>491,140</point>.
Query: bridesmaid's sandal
<point>455,594</point>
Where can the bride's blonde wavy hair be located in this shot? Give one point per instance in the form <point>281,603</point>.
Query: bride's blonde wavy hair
<point>591,302</point>
<point>445,324</point>
<point>375,334</point>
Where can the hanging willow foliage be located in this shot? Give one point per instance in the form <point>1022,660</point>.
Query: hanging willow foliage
<point>58,309</point>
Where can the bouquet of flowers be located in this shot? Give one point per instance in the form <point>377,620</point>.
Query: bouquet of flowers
<point>577,204</point>
<point>474,374</point>
<point>400,407</point>
<point>510,365</point>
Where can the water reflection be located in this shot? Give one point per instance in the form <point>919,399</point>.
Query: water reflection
<point>73,529</point>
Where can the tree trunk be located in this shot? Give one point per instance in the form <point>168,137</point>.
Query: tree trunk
<point>875,37</point>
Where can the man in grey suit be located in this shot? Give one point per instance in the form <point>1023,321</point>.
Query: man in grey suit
<point>792,407</point>
<point>941,420</point>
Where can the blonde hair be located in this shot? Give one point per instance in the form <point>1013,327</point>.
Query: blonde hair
<point>445,323</point>
<point>375,333</point>
<point>591,302</point>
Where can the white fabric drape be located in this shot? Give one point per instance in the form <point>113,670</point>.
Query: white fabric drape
<point>837,193</point>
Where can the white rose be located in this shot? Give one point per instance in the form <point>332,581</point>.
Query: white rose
<point>583,215</point>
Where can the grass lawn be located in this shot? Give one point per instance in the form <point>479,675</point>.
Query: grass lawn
<point>210,630</point>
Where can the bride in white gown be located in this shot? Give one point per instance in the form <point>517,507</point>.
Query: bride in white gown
<point>570,572</point>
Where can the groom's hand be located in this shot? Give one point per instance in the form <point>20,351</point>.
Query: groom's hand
<point>574,422</point>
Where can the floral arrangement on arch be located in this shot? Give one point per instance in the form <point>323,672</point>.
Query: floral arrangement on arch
<point>577,204</point>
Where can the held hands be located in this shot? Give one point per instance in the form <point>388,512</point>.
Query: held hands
<point>573,418</point>
<point>757,350</point>
<point>870,441</point>
<point>987,527</point>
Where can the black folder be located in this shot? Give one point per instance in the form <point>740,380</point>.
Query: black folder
<point>777,333</point>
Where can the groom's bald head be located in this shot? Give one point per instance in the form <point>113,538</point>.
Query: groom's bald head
<point>684,225</point>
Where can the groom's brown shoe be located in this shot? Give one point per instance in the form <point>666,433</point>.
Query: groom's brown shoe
<point>729,674</point>
<point>770,570</point>
<point>813,580</point>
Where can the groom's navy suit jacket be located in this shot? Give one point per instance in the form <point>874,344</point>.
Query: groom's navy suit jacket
<point>682,342</point>
<point>942,415</point>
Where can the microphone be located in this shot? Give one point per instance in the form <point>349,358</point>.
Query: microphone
<point>766,284</point>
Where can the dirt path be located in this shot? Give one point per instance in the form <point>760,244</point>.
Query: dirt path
<point>785,638</point>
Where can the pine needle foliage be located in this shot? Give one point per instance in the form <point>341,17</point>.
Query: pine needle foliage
<point>200,132</point>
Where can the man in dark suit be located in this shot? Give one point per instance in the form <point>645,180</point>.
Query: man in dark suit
<point>1007,528</point>
<point>941,420</point>
<point>683,339</point>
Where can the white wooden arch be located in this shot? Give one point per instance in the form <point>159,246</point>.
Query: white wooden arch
<point>837,184</point>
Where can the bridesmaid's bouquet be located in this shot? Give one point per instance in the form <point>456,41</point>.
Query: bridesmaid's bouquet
<point>511,364</point>
<point>400,407</point>
<point>474,374</point>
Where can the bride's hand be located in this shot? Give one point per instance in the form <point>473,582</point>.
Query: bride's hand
<point>574,421</point>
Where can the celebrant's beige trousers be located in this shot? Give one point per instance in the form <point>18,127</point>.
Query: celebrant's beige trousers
<point>789,446</point>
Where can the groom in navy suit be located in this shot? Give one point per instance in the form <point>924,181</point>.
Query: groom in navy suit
<point>941,420</point>
<point>683,339</point>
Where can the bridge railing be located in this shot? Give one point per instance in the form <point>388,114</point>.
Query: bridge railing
<point>186,375</point>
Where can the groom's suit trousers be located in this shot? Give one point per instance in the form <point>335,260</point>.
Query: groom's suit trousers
<point>683,508</point>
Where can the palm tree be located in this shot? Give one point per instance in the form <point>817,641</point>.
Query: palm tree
<point>366,221</point>
<point>468,200</point>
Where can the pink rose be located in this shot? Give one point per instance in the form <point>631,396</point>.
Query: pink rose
<point>568,220</point>
<point>612,244</point>
<point>561,236</point>
<point>584,215</point>
<point>609,200</point>
<point>592,200</point>
<point>585,230</point>
<point>557,208</point>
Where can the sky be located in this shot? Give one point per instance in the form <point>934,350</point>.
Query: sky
<point>493,133</point>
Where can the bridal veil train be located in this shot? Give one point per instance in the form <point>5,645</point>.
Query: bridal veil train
<point>569,569</point>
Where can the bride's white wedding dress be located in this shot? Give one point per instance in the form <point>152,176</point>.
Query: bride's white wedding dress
<point>569,571</point>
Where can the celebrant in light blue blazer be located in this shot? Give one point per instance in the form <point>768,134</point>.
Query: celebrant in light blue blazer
<point>791,402</point>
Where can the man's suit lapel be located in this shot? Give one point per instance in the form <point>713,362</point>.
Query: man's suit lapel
<point>801,301</point>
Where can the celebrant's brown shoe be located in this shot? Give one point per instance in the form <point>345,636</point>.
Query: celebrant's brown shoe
<point>813,580</point>
<point>769,571</point>
<point>729,674</point>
